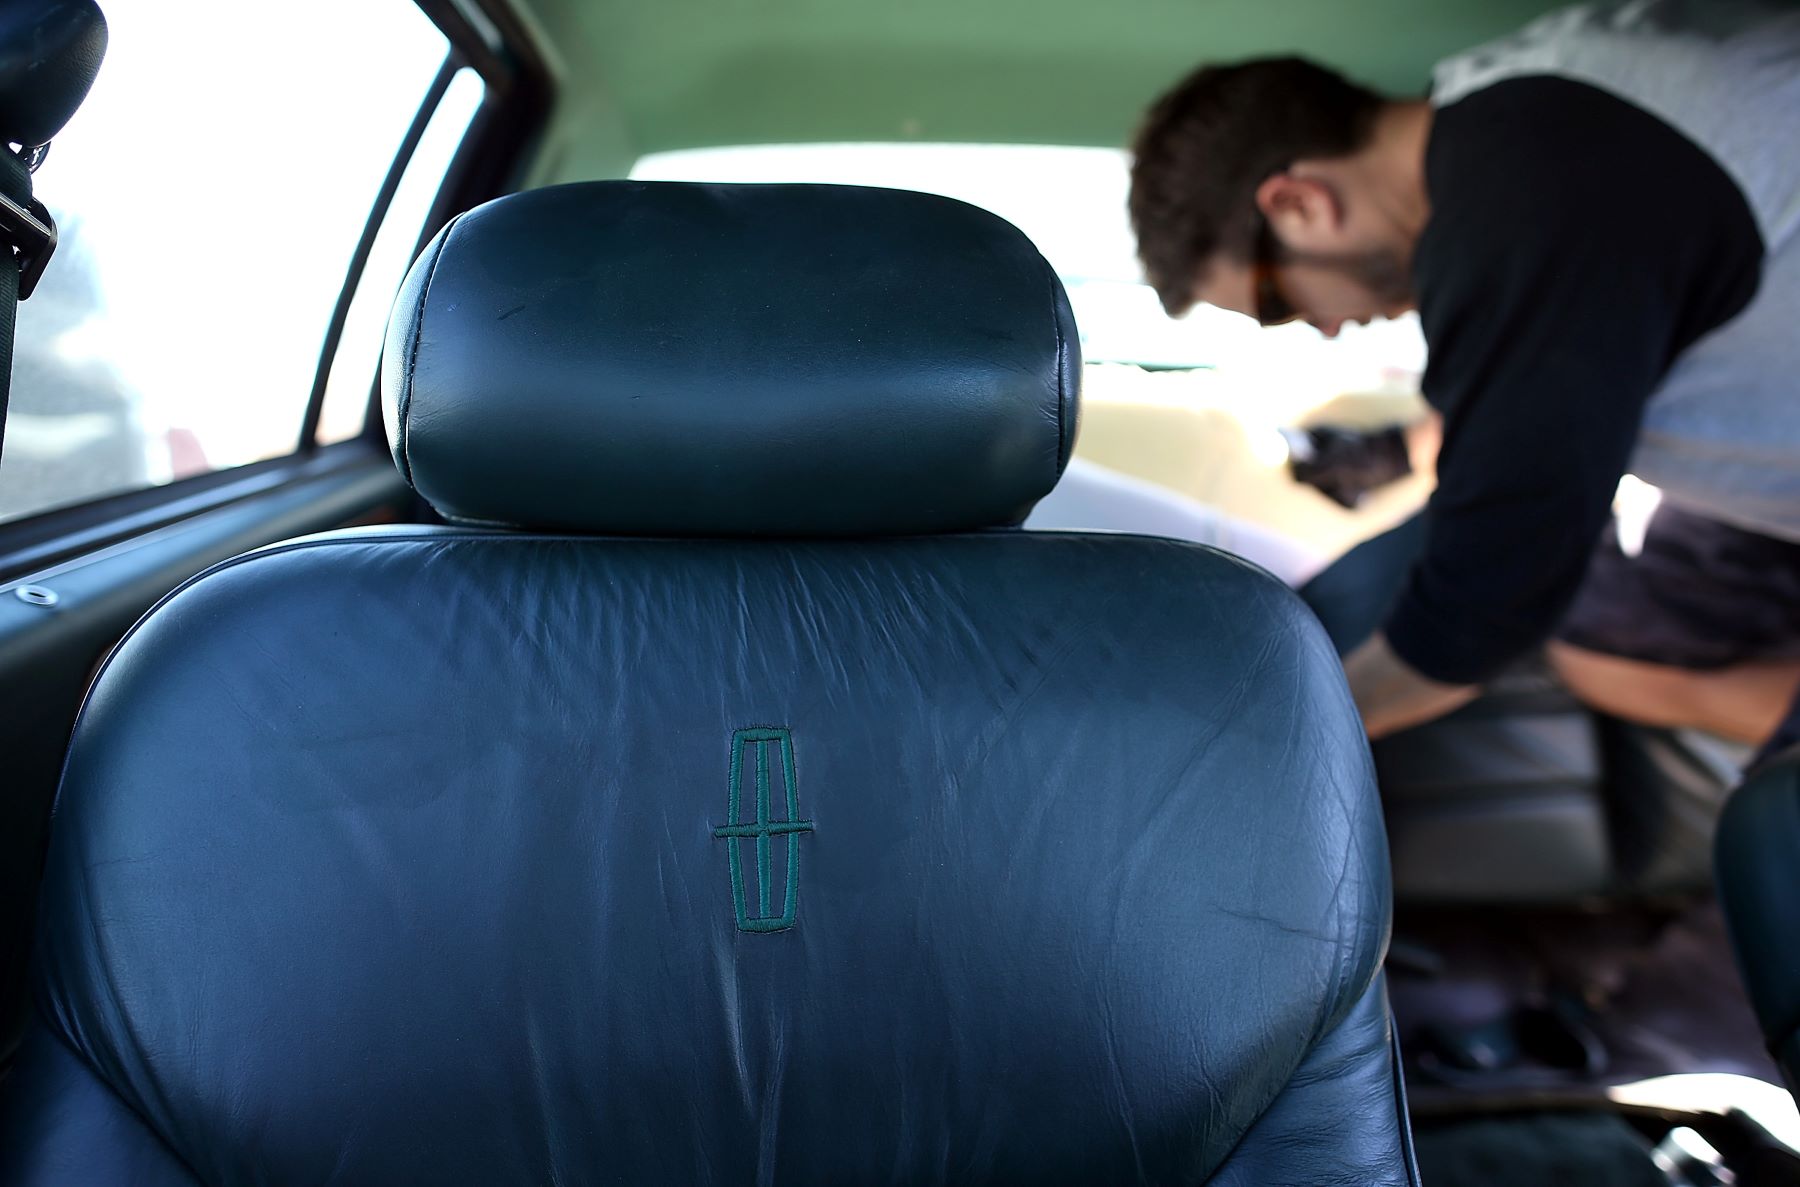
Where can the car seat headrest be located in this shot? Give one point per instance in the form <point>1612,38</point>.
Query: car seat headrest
<point>50,52</point>
<point>685,359</point>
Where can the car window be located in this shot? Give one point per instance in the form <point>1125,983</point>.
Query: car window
<point>210,195</point>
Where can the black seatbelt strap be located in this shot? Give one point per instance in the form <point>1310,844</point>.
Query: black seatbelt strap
<point>27,237</point>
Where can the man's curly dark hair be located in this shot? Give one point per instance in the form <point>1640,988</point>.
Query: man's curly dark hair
<point>1206,145</point>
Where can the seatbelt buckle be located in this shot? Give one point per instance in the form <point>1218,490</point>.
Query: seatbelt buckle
<point>31,233</point>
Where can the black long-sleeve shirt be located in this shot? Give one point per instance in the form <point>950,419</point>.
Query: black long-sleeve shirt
<point>1576,245</point>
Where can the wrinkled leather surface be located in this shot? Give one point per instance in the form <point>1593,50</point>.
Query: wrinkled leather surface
<point>1317,1132</point>
<point>63,1127</point>
<point>387,858</point>
<point>1756,855</point>
<point>50,52</point>
<point>677,359</point>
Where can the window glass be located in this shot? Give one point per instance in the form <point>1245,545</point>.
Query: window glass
<point>210,194</point>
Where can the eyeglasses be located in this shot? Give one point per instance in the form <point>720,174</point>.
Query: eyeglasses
<point>1272,308</point>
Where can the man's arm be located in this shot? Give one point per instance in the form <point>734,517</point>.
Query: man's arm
<point>1577,245</point>
<point>1394,696</point>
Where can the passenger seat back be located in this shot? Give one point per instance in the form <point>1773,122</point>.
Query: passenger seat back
<point>822,830</point>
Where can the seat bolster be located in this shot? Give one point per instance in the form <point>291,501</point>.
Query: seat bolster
<point>1341,1121</point>
<point>64,1127</point>
<point>1756,851</point>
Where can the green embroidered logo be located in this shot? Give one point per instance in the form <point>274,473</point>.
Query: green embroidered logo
<point>756,745</point>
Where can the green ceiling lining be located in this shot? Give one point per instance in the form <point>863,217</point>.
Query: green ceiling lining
<point>688,73</point>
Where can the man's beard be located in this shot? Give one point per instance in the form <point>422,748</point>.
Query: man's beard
<point>1387,274</point>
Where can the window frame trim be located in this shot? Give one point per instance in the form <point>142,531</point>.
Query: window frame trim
<point>36,542</point>
<point>488,37</point>
<point>365,244</point>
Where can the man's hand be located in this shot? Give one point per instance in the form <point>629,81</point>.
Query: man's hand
<point>1392,695</point>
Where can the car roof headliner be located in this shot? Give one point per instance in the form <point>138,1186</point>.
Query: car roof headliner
<point>667,74</point>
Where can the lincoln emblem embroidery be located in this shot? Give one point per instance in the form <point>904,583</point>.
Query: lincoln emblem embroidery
<point>769,755</point>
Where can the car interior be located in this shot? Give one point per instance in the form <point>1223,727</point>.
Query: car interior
<point>555,628</point>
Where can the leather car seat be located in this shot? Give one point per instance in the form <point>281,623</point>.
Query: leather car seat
<point>1524,796</point>
<point>1757,859</point>
<point>728,797</point>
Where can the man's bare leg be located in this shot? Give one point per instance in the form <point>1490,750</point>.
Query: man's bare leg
<point>1744,701</point>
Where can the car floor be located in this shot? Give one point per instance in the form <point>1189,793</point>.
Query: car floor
<point>1515,1023</point>
<point>1551,1149</point>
